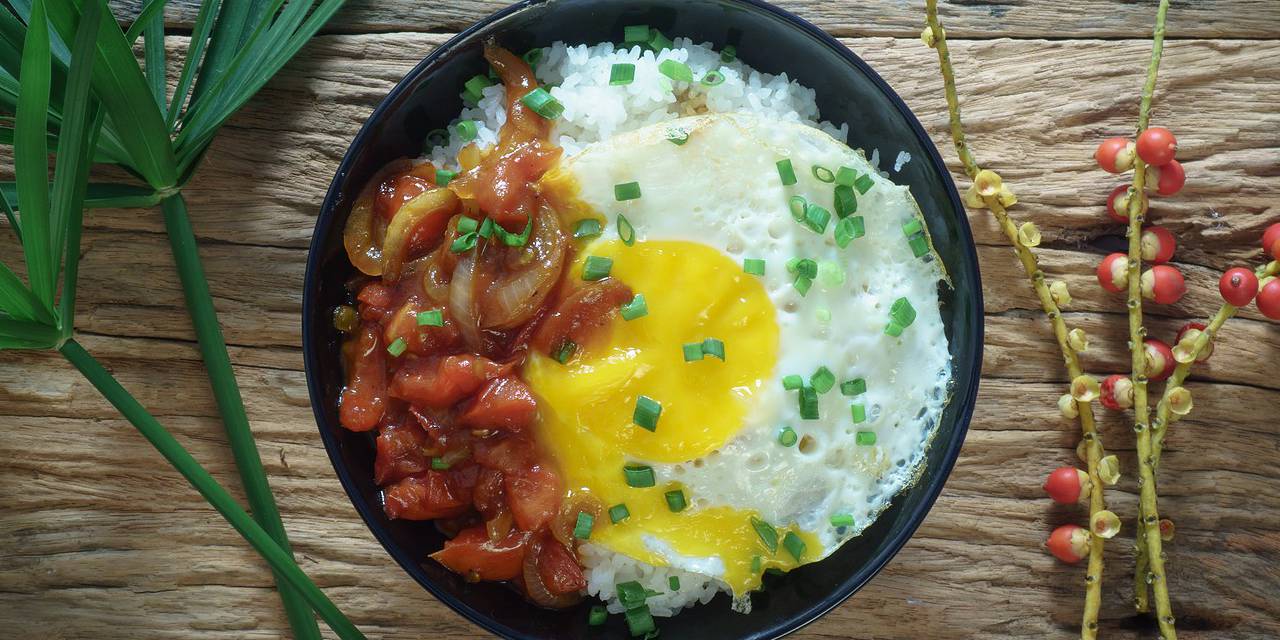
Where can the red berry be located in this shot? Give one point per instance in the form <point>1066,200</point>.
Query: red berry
<point>1065,484</point>
<point>1166,180</point>
<point>1191,331</point>
<point>1163,284</point>
<point>1160,362</point>
<point>1238,286</point>
<point>1069,543</point>
<point>1115,155</point>
<point>1116,392</point>
<point>1118,204</point>
<point>1271,241</point>
<point>1157,146</point>
<point>1268,299</point>
<point>1158,245</point>
<point>1111,272</point>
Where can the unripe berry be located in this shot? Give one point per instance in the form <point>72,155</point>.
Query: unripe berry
<point>1117,392</point>
<point>1268,299</point>
<point>1111,272</point>
<point>1238,286</point>
<point>1166,180</point>
<point>1065,485</point>
<point>1069,543</point>
<point>1159,359</point>
<point>1271,241</point>
<point>1188,334</point>
<point>1157,146</point>
<point>1158,245</point>
<point>1115,155</point>
<point>1118,203</point>
<point>1163,284</point>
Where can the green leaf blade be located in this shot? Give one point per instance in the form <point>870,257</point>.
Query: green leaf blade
<point>154,57</point>
<point>31,151</point>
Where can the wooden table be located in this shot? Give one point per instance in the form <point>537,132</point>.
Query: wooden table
<point>99,538</point>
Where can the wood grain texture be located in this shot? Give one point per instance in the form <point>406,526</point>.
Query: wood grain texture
<point>100,539</point>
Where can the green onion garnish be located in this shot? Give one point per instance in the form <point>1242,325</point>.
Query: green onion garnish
<point>596,267</point>
<point>692,351</point>
<point>842,519</point>
<point>631,594</point>
<point>864,183</point>
<point>768,535</point>
<point>466,130</point>
<point>674,583</point>
<point>803,267</point>
<point>845,176</point>
<point>823,174</point>
<point>437,137</point>
<point>658,42</point>
<point>755,564</point>
<point>676,70</point>
<point>822,380</point>
<point>637,308</point>
<point>397,347</point>
<point>626,191</point>
<point>816,218</point>
<point>753,266</point>
<point>712,78</point>
<point>848,230</point>
<point>542,103</point>
<point>467,225</point>
<point>533,57</point>
<point>802,284</point>
<point>582,528</point>
<point>635,34</point>
<point>512,239</point>
<point>640,621</point>
<point>622,73</point>
<point>439,464</point>
<point>893,329</point>
<point>822,314</point>
<point>830,273</point>
<point>786,172</point>
<point>902,312</point>
<point>597,616</point>
<point>564,351</point>
<point>625,231</point>
<point>866,438</point>
<point>677,136</point>
<point>911,228</point>
<point>808,403</point>
<point>646,416</point>
<point>728,54</point>
<point>486,228</point>
<point>675,500</point>
<point>798,204</point>
<point>618,513</point>
<point>858,412</point>
<point>787,436</point>
<point>919,246</point>
<point>587,228</point>
<point>792,382</point>
<point>713,347</point>
<point>856,386</point>
<point>443,176</point>
<point>639,475</point>
<point>794,545</point>
<point>433,318</point>
<point>846,202</point>
<point>464,242</point>
<point>473,89</point>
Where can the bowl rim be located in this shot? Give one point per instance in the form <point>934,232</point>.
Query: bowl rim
<point>933,487</point>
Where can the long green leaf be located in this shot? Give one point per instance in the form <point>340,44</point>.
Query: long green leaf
<point>222,46</point>
<point>102,195</point>
<point>31,152</point>
<point>10,215</point>
<point>18,301</point>
<point>150,8</point>
<point>75,226</point>
<point>61,54</point>
<point>195,53</point>
<point>153,57</point>
<point>22,334</point>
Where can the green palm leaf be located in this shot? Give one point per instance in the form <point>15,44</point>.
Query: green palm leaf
<point>31,151</point>
<point>199,38</point>
<point>153,54</point>
<point>101,195</point>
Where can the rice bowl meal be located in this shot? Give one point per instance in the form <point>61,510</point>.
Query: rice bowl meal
<point>639,326</point>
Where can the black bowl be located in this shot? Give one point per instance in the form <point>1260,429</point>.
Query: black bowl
<point>770,40</point>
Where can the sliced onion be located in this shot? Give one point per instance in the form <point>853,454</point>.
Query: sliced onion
<point>363,248</point>
<point>412,215</point>
<point>526,274</point>
<point>533,586</point>
<point>566,520</point>
<point>462,300</point>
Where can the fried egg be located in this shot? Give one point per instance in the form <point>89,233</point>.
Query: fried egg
<point>760,484</point>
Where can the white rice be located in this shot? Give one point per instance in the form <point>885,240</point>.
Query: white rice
<point>594,110</point>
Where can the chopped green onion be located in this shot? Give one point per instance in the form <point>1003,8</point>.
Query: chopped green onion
<point>564,351</point>
<point>842,519</point>
<point>464,242</point>
<point>816,218</point>
<point>597,616</point>
<point>437,137</point>
<point>792,382</point>
<point>919,246</point>
<point>466,130</point>
<point>846,202</point>
<point>675,500</point>
<point>433,318</point>
<point>823,314</point>
<point>618,513</point>
<point>674,583</point>
<point>486,228</point>
<point>864,183</point>
<point>622,73</point>
<point>798,205</point>
<point>866,438</point>
<point>911,228</point>
<point>803,267</point>
<point>397,347</point>
<point>787,436</point>
<point>467,225</point>
<point>676,70</point>
<point>808,403</point>
<point>587,228</point>
<point>713,347</point>
<point>794,545</point>
<point>893,329</point>
<point>845,176</point>
<point>712,78</point>
<point>533,57</point>
<point>582,528</point>
<point>753,266</point>
<point>822,380</point>
<point>542,103</point>
<point>515,240</point>
<point>473,89</point>
<point>626,191</point>
<point>639,475</point>
<point>646,414</point>
<point>803,284</point>
<point>444,176</point>
<point>768,535</point>
<point>677,136</point>
<point>823,174</point>
<point>635,34</point>
<point>439,464</point>
<point>755,564</point>
<point>858,412</point>
<point>625,231</point>
<point>692,351</point>
<point>640,621</point>
<point>830,273</point>
<point>631,593</point>
<point>728,54</point>
<point>786,172</point>
<point>658,42</point>
<point>596,267</point>
<point>849,229</point>
<point>854,387</point>
<point>902,312</point>
<point>637,308</point>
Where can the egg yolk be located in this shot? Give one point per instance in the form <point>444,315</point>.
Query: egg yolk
<point>587,405</point>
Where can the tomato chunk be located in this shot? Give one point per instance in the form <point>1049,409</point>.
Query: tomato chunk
<point>590,306</point>
<point>397,190</point>
<point>505,403</point>
<point>472,551</point>
<point>558,569</point>
<point>403,450</point>
<point>508,455</point>
<point>423,340</point>
<point>534,496</point>
<point>430,495</point>
<point>439,383</point>
<point>363,399</point>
